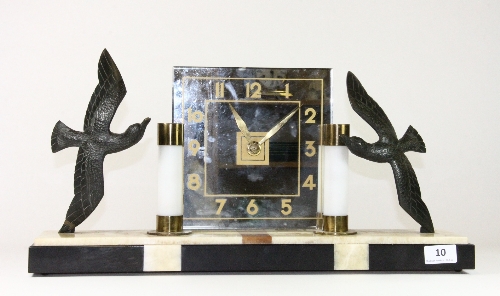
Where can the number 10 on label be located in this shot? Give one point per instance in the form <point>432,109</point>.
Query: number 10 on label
<point>440,254</point>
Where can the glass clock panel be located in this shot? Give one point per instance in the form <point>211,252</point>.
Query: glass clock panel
<point>251,145</point>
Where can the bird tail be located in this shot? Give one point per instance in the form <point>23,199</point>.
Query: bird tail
<point>412,141</point>
<point>63,137</point>
<point>67,227</point>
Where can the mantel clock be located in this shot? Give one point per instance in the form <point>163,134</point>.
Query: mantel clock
<point>251,149</point>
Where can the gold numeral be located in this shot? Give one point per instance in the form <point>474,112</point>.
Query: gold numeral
<point>254,90</point>
<point>219,90</point>
<point>252,207</point>
<point>309,182</point>
<point>196,116</point>
<point>287,93</point>
<point>286,207</point>
<point>194,147</point>
<point>313,114</point>
<point>193,182</point>
<point>221,202</point>
<point>311,150</point>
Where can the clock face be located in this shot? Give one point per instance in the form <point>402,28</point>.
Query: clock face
<point>251,145</point>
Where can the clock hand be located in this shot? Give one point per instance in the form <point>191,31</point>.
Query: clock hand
<point>241,124</point>
<point>278,126</point>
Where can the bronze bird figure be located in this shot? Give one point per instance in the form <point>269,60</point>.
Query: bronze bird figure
<point>95,142</point>
<point>389,149</point>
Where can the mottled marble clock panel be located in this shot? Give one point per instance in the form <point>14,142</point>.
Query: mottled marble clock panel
<point>222,188</point>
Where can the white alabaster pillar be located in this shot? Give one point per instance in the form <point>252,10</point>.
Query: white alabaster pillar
<point>169,218</point>
<point>320,181</point>
<point>335,172</point>
<point>335,161</point>
<point>170,180</point>
<point>334,179</point>
<point>170,162</point>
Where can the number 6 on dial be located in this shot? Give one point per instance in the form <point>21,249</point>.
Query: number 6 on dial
<point>252,207</point>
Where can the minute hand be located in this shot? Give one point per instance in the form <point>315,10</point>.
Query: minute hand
<point>278,126</point>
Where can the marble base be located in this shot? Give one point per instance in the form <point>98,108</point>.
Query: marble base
<point>230,251</point>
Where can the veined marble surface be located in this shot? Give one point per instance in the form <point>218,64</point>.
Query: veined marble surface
<point>138,237</point>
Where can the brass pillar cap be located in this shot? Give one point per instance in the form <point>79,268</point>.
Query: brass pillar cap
<point>331,132</point>
<point>171,134</point>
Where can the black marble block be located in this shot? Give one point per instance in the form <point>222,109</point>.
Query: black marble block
<point>411,258</point>
<point>85,259</point>
<point>237,258</point>
<point>257,258</point>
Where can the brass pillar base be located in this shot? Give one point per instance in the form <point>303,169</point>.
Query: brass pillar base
<point>335,225</point>
<point>169,226</point>
<point>319,220</point>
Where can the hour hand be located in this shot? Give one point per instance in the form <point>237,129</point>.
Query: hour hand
<point>241,124</point>
<point>278,126</point>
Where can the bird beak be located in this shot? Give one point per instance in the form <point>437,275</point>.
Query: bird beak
<point>145,122</point>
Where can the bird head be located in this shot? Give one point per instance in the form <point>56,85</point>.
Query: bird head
<point>137,130</point>
<point>356,145</point>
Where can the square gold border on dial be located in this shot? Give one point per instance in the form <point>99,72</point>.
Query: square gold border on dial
<point>243,158</point>
<point>292,102</point>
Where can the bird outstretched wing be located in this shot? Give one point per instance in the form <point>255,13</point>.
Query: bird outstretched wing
<point>107,96</point>
<point>409,192</point>
<point>88,189</point>
<point>95,142</point>
<point>369,110</point>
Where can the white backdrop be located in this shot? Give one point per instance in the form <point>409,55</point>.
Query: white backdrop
<point>434,65</point>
